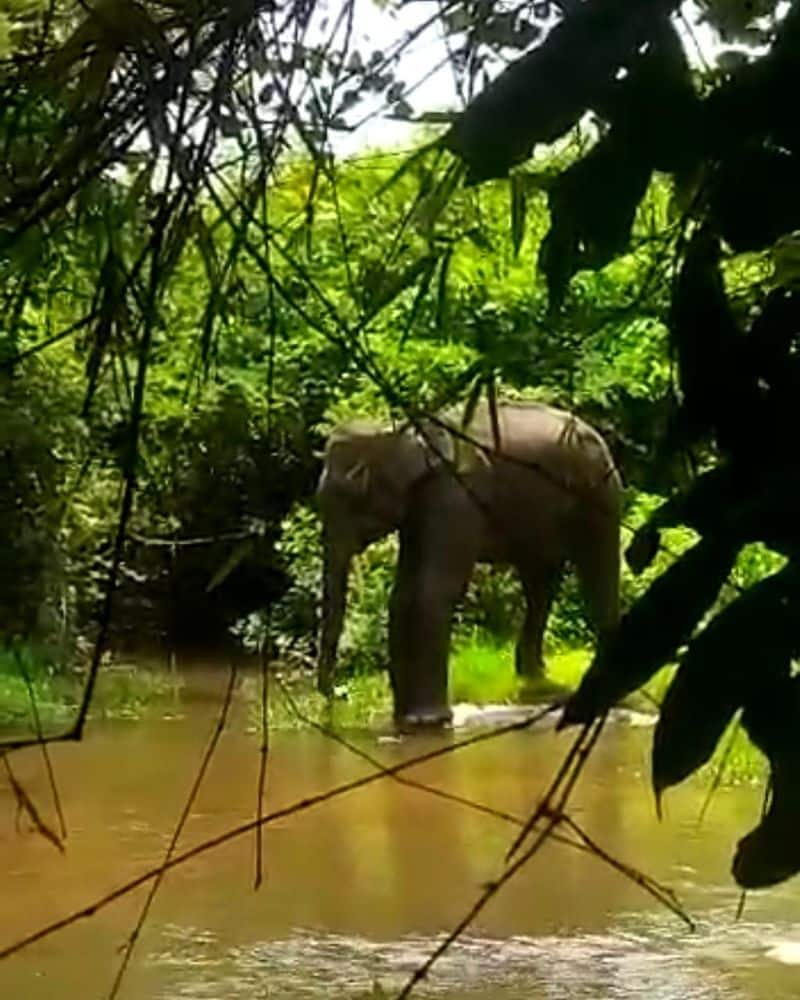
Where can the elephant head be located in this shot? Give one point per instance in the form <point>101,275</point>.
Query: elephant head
<point>362,496</point>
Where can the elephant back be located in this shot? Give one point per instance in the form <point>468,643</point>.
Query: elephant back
<point>554,442</point>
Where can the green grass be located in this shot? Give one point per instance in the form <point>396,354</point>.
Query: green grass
<point>31,685</point>
<point>480,673</point>
<point>361,701</point>
<point>484,673</point>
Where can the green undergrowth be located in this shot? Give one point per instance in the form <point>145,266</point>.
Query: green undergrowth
<point>33,687</point>
<point>740,762</point>
<point>480,673</point>
<point>363,701</point>
<point>483,673</point>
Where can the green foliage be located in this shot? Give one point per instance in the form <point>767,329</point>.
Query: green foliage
<point>34,686</point>
<point>27,688</point>
<point>51,511</point>
<point>230,455</point>
<point>361,701</point>
<point>483,673</point>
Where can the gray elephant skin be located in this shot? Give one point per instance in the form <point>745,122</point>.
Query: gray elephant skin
<point>524,484</point>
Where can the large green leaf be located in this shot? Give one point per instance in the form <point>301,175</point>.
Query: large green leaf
<point>745,647</point>
<point>771,852</point>
<point>540,96</point>
<point>650,634</point>
<point>592,207</point>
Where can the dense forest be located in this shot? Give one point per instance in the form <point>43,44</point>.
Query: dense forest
<point>230,443</point>
<point>224,528</point>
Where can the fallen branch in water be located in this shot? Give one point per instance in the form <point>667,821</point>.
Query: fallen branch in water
<point>26,805</point>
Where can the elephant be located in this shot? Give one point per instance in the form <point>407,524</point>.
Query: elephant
<point>523,484</point>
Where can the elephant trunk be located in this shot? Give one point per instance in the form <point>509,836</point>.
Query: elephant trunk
<point>336,568</point>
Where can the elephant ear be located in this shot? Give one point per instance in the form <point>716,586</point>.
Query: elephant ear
<point>437,443</point>
<point>359,476</point>
<point>350,456</point>
<point>451,445</point>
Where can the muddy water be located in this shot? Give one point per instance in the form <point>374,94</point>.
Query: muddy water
<point>359,890</point>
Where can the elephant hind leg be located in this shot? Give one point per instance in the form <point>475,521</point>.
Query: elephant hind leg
<point>596,558</point>
<point>528,655</point>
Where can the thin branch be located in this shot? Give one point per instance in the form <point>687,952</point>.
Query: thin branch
<point>178,543</point>
<point>719,772</point>
<point>561,775</point>
<point>489,892</point>
<point>263,762</point>
<point>8,363</point>
<point>663,894</point>
<point>37,724</point>
<point>26,805</point>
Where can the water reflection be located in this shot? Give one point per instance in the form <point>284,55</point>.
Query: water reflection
<point>374,878</point>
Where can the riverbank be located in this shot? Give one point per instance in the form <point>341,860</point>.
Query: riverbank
<point>484,690</point>
<point>35,693</point>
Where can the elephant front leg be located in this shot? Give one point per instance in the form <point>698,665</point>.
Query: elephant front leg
<point>420,619</point>
<point>336,568</point>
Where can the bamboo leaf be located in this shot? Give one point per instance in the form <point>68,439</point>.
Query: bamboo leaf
<point>382,286</point>
<point>430,209</point>
<point>407,165</point>
<point>494,418</point>
<point>441,291</point>
<point>471,404</point>
<point>422,290</point>
<point>519,208</point>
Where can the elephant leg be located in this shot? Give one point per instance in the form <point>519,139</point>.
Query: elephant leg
<point>437,554</point>
<point>528,656</point>
<point>596,557</point>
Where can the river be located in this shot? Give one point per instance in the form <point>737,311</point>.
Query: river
<point>358,890</point>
